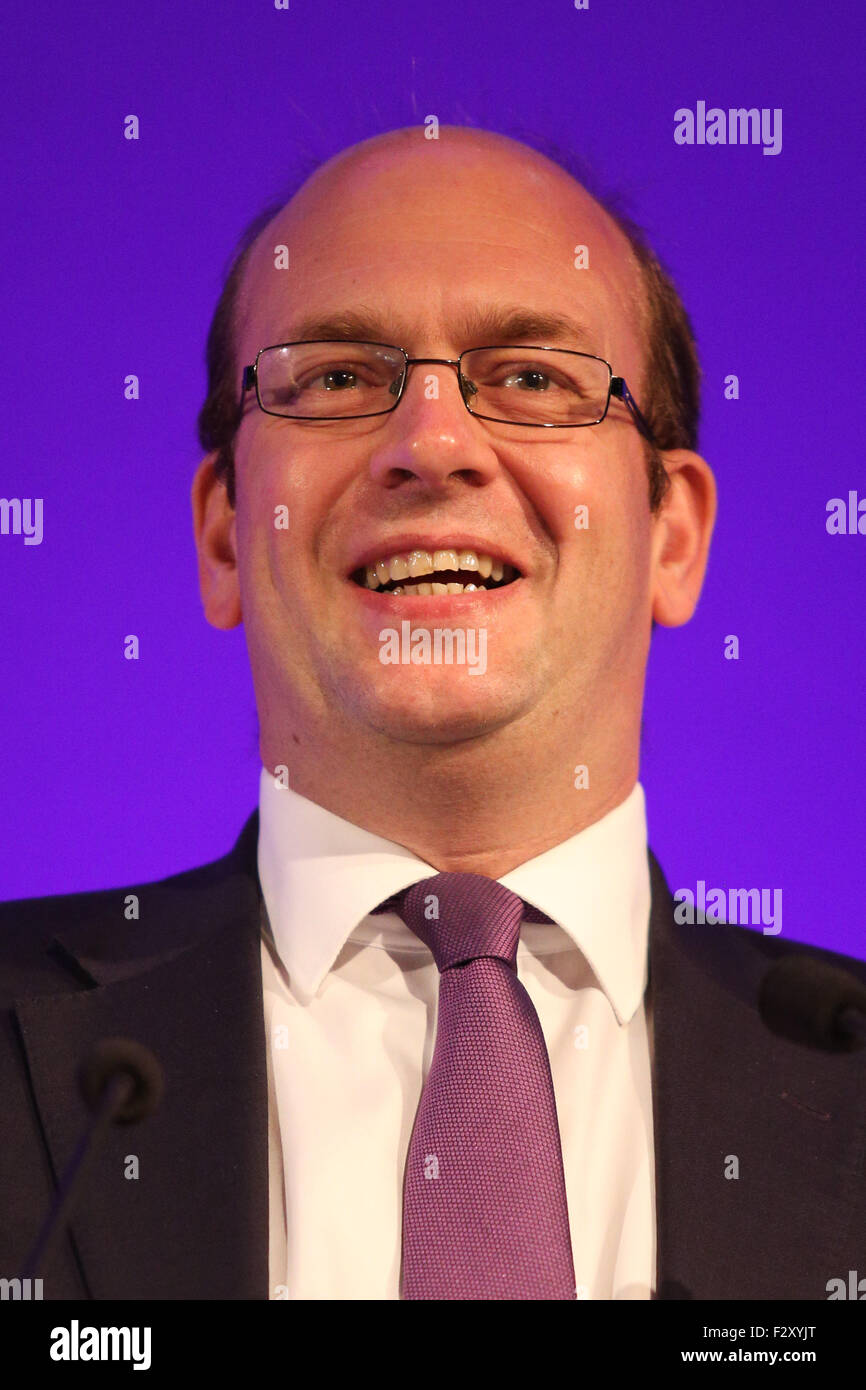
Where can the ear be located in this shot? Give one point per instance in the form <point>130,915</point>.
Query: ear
<point>215,524</point>
<point>683,527</point>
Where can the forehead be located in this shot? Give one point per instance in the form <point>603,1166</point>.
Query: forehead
<point>433,242</point>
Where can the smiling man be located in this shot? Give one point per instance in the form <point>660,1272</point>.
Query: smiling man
<point>404,507</point>
<point>410,1043</point>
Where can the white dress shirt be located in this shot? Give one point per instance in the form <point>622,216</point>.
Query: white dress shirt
<point>350,1004</point>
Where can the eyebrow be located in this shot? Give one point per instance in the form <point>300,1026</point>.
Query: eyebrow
<point>475,326</point>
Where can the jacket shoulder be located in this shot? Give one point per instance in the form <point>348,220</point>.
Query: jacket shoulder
<point>28,926</point>
<point>734,954</point>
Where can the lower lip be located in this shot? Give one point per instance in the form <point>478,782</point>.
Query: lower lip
<point>478,605</point>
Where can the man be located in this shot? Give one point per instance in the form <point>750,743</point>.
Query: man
<point>521,1079</point>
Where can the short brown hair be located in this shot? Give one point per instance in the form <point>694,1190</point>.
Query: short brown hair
<point>669,395</point>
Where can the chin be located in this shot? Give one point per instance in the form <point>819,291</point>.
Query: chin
<point>441,732</point>
<point>437,719</point>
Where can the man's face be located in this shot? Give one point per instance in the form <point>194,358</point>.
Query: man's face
<point>419,238</point>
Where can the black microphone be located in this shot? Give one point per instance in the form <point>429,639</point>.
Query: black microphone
<point>815,1004</point>
<point>122,1083</point>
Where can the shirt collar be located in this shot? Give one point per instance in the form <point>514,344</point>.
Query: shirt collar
<point>322,876</point>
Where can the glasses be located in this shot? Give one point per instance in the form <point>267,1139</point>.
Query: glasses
<point>550,388</point>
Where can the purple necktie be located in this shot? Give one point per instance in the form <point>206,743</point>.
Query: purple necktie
<point>484,1205</point>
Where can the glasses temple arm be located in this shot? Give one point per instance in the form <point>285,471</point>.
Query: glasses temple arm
<point>619,388</point>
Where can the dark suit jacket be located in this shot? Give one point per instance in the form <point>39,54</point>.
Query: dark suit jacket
<point>185,979</point>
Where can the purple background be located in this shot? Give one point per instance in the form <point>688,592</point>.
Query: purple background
<point>115,772</point>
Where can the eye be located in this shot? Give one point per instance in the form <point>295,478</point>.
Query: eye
<point>530,377</point>
<point>535,380</point>
<point>336,378</point>
<point>341,377</point>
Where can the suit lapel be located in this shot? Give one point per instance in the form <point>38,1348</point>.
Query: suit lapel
<point>730,1097</point>
<point>185,980</point>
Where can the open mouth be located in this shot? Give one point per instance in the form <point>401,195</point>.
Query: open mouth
<point>425,573</point>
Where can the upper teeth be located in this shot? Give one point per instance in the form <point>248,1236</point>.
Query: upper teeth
<point>410,564</point>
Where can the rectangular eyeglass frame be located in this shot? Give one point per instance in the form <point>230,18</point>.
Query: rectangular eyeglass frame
<point>617,385</point>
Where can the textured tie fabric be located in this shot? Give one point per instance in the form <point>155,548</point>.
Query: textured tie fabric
<point>484,1205</point>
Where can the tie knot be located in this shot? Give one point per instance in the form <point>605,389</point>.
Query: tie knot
<point>463,916</point>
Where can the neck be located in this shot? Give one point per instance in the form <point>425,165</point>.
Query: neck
<point>482,805</point>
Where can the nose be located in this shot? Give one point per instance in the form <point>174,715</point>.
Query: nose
<point>431,437</point>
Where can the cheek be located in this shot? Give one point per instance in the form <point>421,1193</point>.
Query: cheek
<point>265,518</point>
<point>272,489</point>
<point>559,486</point>
<point>599,504</point>
<point>589,501</point>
